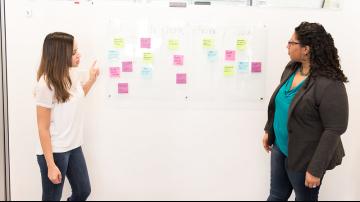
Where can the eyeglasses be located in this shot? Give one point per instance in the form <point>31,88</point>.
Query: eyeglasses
<point>292,43</point>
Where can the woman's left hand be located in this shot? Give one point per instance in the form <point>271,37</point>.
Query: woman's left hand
<point>94,72</point>
<point>311,181</point>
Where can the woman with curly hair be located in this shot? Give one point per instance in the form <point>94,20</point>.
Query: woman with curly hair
<point>307,114</point>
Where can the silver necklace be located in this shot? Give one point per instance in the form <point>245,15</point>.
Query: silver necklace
<point>302,73</point>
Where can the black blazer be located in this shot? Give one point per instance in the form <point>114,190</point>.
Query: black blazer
<point>318,116</point>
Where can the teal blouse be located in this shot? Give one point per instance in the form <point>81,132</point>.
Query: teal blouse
<point>282,105</point>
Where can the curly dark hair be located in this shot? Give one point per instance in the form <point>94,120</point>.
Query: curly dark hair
<point>323,54</point>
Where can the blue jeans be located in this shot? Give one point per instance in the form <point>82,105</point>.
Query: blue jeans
<point>283,181</point>
<point>73,165</point>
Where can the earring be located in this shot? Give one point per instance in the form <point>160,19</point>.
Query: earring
<point>302,57</point>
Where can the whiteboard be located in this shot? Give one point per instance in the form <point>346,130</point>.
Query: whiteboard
<point>151,152</point>
<point>205,79</point>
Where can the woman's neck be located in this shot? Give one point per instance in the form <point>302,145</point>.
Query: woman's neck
<point>306,66</point>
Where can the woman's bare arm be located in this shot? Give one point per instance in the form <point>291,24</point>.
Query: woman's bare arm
<point>94,73</point>
<point>44,118</point>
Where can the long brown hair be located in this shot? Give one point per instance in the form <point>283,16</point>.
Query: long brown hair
<point>56,62</point>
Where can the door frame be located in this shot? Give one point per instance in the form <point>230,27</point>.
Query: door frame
<point>4,118</point>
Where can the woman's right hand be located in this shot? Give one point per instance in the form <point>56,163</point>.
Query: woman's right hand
<point>54,174</point>
<point>94,72</point>
<point>266,144</point>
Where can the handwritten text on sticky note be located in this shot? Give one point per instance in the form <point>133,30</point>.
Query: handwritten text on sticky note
<point>243,67</point>
<point>179,60</point>
<point>119,43</point>
<point>113,55</point>
<point>208,44</point>
<point>228,71</point>
<point>241,44</point>
<point>114,72</point>
<point>148,58</point>
<point>123,88</point>
<point>230,55</point>
<point>180,78</point>
<point>256,67</point>
<point>173,44</point>
<point>127,67</point>
<point>145,42</point>
<point>146,72</point>
<point>212,55</point>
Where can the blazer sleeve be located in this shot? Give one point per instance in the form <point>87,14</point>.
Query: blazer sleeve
<point>266,129</point>
<point>334,113</point>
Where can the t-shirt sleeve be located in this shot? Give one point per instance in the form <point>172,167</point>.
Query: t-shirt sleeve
<point>74,76</point>
<point>44,96</point>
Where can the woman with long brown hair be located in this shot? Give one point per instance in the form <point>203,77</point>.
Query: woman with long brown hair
<point>59,100</point>
<point>307,115</point>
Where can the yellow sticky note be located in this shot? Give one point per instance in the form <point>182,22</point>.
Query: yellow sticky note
<point>229,71</point>
<point>119,42</point>
<point>241,44</point>
<point>173,44</point>
<point>148,58</point>
<point>208,44</point>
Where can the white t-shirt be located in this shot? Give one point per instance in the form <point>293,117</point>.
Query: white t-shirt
<point>66,124</point>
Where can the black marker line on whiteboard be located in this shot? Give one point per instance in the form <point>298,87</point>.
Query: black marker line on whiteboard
<point>202,3</point>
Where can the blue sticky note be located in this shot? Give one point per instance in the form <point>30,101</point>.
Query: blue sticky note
<point>212,55</point>
<point>243,67</point>
<point>113,55</point>
<point>146,72</point>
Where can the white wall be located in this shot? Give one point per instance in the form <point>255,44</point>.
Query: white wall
<point>167,153</point>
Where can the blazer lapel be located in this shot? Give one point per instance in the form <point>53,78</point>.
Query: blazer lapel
<point>299,95</point>
<point>286,77</point>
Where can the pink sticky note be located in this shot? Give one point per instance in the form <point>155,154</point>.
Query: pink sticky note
<point>114,72</point>
<point>127,67</point>
<point>179,60</point>
<point>123,88</point>
<point>180,78</point>
<point>145,42</point>
<point>230,55</point>
<point>256,67</point>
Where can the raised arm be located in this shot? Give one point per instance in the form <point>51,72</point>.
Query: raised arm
<point>94,73</point>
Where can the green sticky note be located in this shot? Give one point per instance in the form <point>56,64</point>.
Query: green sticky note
<point>229,71</point>
<point>148,58</point>
<point>173,44</point>
<point>208,44</point>
<point>119,42</point>
<point>241,44</point>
